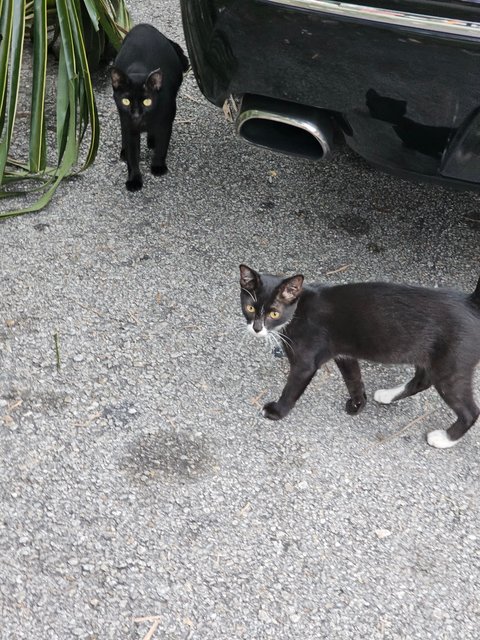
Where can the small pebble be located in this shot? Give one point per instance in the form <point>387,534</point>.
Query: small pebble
<point>382,533</point>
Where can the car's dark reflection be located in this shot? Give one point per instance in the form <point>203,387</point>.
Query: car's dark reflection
<point>424,138</point>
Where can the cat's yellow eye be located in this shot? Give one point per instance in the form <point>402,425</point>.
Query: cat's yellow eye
<point>126,102</point>
<point>147,102</point>
<point>250,308</point>
<point>274,314</point>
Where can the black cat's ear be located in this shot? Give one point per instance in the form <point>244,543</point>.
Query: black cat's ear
<point>119,79</point>
<point>249,278</point>
<point>155,80</point>
<point>290,289</point>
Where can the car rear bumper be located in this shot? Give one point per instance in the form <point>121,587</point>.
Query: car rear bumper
<point>403,85</point>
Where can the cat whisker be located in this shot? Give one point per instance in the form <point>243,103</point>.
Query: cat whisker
<point>281,335</point>
<point>287,344</point>
<point>271,341</point>
<point>284,337</point>
<point>283,340</point>
<point>280,341</point>
<point>242,331</point>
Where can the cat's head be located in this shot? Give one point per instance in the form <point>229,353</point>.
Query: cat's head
<point>268,302</point>
<point>134,94</point>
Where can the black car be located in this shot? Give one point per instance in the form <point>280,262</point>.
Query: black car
<point>398,80</point>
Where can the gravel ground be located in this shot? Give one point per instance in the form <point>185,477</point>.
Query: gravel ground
<point>141,490</point>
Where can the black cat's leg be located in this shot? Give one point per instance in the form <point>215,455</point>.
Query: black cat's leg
<point>123,151</point>
<point>298,379</point>
<point>352,376</point>
<point>162,140</point>
<point>456,391</point>
<point>125,131</point>
<point>134,182</point>
<point>150,141</point>
<point>420,381</point>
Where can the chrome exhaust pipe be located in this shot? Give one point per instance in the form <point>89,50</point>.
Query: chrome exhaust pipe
<point>287,127</point>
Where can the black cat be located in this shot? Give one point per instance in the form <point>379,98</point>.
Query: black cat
<point>146,77</point>
<point>436,330</point>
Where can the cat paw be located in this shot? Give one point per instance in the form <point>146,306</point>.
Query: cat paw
<point>135,184</point>
<point>123,155</point>
<point>387,396</point>
<point>273,411</point>
<point>440,439</point>
<point>353,407</point>
<point>159,170</point>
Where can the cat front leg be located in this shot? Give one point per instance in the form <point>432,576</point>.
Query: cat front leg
<point>161,140</point>
<point>352,376</point>
<point>125,137</point>
<point>134,182</point>
<point>298,379</point>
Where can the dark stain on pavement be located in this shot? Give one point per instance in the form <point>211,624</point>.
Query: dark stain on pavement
<point>353,224</point>
<point>167,456</point>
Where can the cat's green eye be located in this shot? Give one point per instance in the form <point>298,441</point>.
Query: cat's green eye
<point>147,102</point>
<point>274,314</point>
<point>126,102</point>
<point>250,308</point>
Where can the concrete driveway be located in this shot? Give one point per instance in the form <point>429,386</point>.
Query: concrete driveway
<point>143,496</point>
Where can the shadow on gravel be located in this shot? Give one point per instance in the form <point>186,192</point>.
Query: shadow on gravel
<point>167,456</point>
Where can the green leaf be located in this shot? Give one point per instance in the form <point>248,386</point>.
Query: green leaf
<point>6,19</point>
<point>88,107</point>
<point>68,160</point>
<point>37,122</point>
<point>63,105</point>
<point>115,22</point>
<point>15,24</point>
<point>66,42</point>
<point>93,12</point>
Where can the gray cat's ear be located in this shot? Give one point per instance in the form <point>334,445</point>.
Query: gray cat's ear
<point>248,278</point>
<point>118,77</point>
<point>290,289</point>
<point>155,80</point>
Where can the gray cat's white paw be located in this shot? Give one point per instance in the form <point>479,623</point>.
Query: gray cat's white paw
<point>440,439</point>
<point>387,396</point>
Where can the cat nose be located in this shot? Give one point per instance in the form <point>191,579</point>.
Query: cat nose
<point>257,326</point>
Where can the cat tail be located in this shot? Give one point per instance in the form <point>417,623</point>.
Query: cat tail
<point>184,61</point>
<point>475,297</point>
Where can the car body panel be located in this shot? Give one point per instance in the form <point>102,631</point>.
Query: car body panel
<point>403,93</point>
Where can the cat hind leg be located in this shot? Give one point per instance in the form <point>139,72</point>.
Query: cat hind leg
<point>457,393</point>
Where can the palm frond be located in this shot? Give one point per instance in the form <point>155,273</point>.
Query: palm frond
<point>83,29</point>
